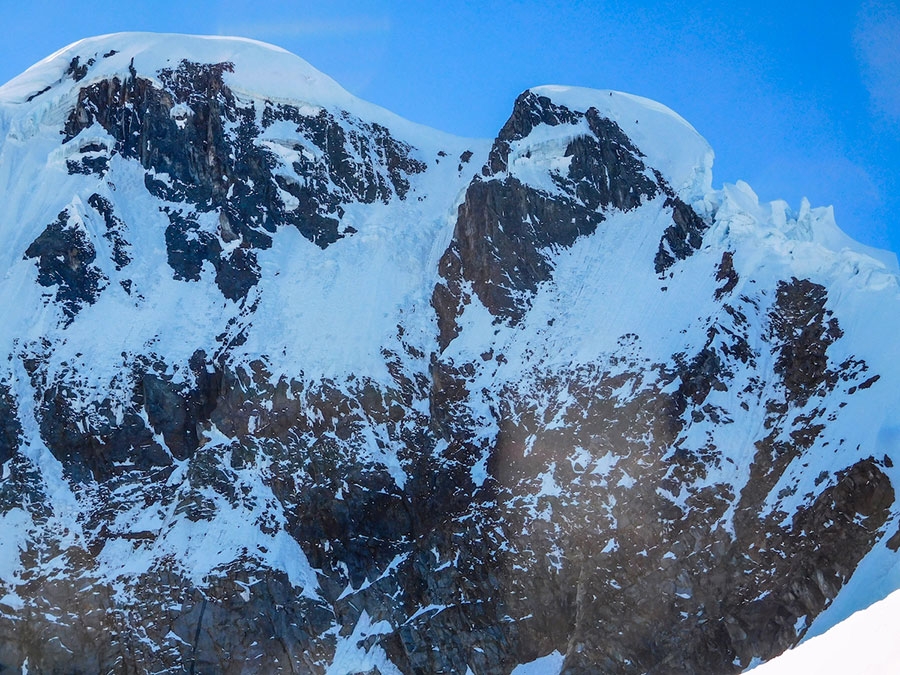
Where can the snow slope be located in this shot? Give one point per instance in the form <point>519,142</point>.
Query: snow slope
<point>865,642</point>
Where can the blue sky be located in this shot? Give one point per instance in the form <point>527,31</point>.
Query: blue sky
<point>797,98</point>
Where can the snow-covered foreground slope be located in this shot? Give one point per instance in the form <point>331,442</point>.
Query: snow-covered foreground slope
<point>866,642</point>
<point>294,385</point>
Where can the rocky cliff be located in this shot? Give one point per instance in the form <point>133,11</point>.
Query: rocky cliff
<point>294,385</point>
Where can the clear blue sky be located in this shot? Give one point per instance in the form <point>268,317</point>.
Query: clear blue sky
<point>797,98</point>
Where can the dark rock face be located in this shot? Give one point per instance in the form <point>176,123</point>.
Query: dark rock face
<point>102,447</point>
<point>502,231</point>
<point>218,517</point>
<point>183,632</point>
<point>203,147</point>
<point>506,230</point>
<point>177,412</point>
<point>532,570</point>
<point>726,273</point>
<point>10,428</point>
<point>77,70</point>
<point>604,543</point>
<point>364,162</point>
<point>92,159</point>
<point>115,230</point>
<point>802,360</point>
<point>606,170</point>
<point>681,238</point>
<point>529,111</point>
<point>64,255</point>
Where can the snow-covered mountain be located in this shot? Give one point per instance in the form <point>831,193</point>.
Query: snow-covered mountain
<point>294,385</point>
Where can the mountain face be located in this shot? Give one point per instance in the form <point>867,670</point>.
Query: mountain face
<point>294,385</point>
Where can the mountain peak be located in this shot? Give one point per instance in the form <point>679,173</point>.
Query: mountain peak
<point>258,69</point>
<point>668,141</point>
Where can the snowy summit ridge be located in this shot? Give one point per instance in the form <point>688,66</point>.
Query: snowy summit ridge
<point>264,68</point>
<point>412,402</point>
